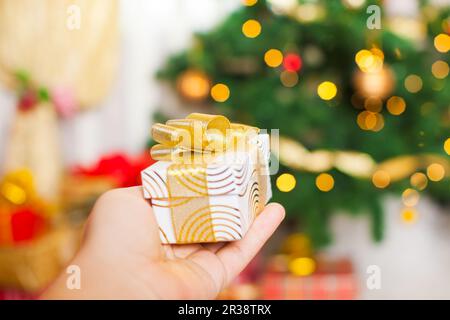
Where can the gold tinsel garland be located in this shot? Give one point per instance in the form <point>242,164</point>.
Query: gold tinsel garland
<point>356,164</point>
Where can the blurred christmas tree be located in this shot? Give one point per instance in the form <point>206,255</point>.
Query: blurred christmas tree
<point>372,105</point>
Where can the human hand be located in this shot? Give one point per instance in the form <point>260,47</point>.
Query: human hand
<point>122,257</point>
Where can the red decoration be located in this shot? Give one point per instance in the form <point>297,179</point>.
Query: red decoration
<point>125,171</point>
<point>292,62</point>
<point>26,224</point>
<point>28,100</point>
<point>333,279</point>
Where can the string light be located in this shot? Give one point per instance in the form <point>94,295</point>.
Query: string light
<point>286,182</point>
<point>220,92</point>
<point>409,215</point>
<point>273,58</point>
<point>251,28</point>
<point>289,79</point>
<point>325,182</point>
<point>447,146</point>
<point>381,179</point>
<point>410,197</point>
<point>327,90</point>
<point>303,266</point>
<point>440,69</point>
<point>249,3</point>
<point>193,85</point>
<point>413,83</point>
<point>292,62</point>
<point>373,104</point>
<point>370,60</point>
<point>435,172</point>
<point>442,42</point>
<point>396,105</point>
<point>419,180</point>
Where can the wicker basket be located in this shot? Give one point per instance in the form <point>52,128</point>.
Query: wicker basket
<point>34,265</point>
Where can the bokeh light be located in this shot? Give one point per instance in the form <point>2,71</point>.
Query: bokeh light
<point>410,197</point>
<point>373,104</point>
<point>409,215</point>
<point>286,182</point>
<point>435,172</point>
<point>396,105</point>
<point>442,42</point>
<point>447,146</point>
<point>251,28</point>
<point>273,58</point>
<point>381,179</point>
<point>413,83</point>
<point>220,92</point>
<point>440,69</point>
<point>249,3</point>
<point>303,266</point>
<point>288,78</point>
<point>194,85</point>
<point>370,60</point>
<point>419,180</point>
<point>327,90</point>
<point>292,62</point>
<point>325,182</point>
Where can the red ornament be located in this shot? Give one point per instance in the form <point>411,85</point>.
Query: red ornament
<point>292,62</point>
<point>26,224</point>
<point>27,101</point>
<point>124,170</point>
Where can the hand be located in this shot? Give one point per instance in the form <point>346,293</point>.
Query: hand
<point>121,256</point>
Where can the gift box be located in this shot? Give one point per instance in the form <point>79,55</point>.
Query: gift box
<point>201,193</point>
<point>334,279</point>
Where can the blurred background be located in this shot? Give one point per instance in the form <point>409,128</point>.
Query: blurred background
<point>359,90</point>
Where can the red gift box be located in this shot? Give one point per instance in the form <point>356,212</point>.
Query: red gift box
<point>332,280</point>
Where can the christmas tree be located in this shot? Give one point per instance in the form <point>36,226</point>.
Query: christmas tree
<point>363,111</point>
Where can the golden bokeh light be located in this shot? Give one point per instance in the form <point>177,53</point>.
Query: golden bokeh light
<point>447,146</point>
<point>419,180</point>
<point>372,121</point>
<point>435,172</point>
<point>440,69</point>
<point>409,215</point>
<point>273,58</point>
<point>410,197</point>
<point>442,42</point>
<point>288,78</point>
<point>370,60</point>
<point>193,85</point>
<point>251,28</point>
<point>286,182</point>
<point>220,92</point>
<point>373,104</point>
<point>396,105</point>
<point>249,3</point>
<point>303,266</point>
<point>327,90</point>
<point>413,83</point>
<point>325,182</point>
<point>381,179</point>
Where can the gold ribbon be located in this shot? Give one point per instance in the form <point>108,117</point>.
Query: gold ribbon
<point>198,136</point>
<point>202,136</point>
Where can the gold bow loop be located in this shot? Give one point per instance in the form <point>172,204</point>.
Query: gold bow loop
<point>198,136</point>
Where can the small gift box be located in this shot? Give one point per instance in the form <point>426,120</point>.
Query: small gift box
<point>212,179</point>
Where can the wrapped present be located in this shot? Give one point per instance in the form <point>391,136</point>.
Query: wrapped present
<point>212,179</point>
<point>333,279</point>
<point>33,265</point>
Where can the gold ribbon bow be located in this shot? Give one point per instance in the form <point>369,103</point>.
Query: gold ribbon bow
<point>198,135</point>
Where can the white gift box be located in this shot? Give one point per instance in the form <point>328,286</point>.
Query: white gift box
<point>218,201</point>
